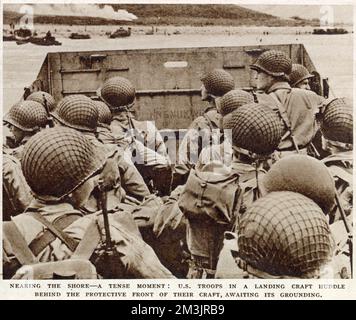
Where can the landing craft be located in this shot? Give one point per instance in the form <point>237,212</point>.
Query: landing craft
<point>330,31</point>
<point>166,80</point>
<point>78,36</point>
<point>48,40</point>
<point>120,33</point>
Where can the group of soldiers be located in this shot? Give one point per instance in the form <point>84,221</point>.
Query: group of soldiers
<point>90,192</point>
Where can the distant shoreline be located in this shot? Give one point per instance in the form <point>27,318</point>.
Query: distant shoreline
<point>104,30</point>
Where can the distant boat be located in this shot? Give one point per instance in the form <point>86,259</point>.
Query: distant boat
<point>47,40</point>
<point>22,34</point>
<point>330,31</point>
<point>9,37</point>
<point>120,33</point>
<point>78,36</point>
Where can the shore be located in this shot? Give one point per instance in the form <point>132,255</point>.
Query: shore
<point>331,54</point>
<point>64,31</point>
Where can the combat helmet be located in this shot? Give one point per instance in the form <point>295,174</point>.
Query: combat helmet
<point>78,112</point>
<point>58,160</point>
<point>255,128</point>
<point>233,100</point>
<point>273,62</point>
<point>117,92</point>
<point>28,116</point>
<point>105,116</point>
<point>305,175</point>
<point>298,74</point>
<point>284,234</point>
<point>218,82</point>
<point>337,121</point>
<point>43,97</point>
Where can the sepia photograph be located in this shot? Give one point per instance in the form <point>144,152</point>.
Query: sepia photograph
<point>178,144</point>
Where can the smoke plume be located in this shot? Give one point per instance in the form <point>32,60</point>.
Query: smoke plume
<point>80,10</point>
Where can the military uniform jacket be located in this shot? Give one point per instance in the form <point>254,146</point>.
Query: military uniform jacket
<point>139,258</point>
<point>131,180</point>
<point>189,148</point>
<point>300,106</point>
<point>16,192</point>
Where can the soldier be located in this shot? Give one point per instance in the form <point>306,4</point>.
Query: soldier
<point>337,139</point>
<point>25,119</point>
<point>284,235</point>
<point>104,121</point>
<point>337,136</point>
<point>141,137</point>
<point>43,98</point>
<point>81,113</point>
<point>214,85</point>
<point>299,77</point>
<point>223,152</point>
<point>63,167</point>
<point>256,132</point>
<point>297,107</point>
<point>16,193</point>
<point>293,174</point>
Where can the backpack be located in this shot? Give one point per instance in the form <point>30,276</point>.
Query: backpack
<point>210,201</point>
<point>212,194</point>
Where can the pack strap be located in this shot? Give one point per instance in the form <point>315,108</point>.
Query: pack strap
<point>18,243</point>
<point>65,238</point>
<point>285,119</point>
<point>209,121</point>
<point>40,243</point>
<point>88,243</point>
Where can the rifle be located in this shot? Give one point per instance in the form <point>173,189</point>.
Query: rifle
<point>313,151</point>
<point>49,117</point>
<point>109,263</point>
<point>347,227</point>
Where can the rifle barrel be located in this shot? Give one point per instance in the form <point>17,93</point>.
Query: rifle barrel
<point>103,204</point>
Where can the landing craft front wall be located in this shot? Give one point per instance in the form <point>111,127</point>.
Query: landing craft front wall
<point>168,95</point>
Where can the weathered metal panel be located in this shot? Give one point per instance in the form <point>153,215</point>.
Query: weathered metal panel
<point>167,81</point>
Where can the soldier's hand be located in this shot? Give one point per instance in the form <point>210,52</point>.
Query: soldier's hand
<point>110,175</point>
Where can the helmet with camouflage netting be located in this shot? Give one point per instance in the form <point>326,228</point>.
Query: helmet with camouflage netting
<point>218,82</point>
<point>43,98</point>
<point>274,63</point>
<point>28,116</point>
<point>298,74</point>
<point>117,92</point>
<point>78,112</point>
<point>337,121</point>
<point>234,99</point>
<point>255,127</point>
<point>58,160</point>
<point>105,116</point>
<point>285,234</point>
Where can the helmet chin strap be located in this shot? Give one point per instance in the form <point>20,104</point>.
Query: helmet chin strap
<point>251,272</point>
<point>257,160</point>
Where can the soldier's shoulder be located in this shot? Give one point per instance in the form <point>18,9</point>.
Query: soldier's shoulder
<point>198,123</point>
<point>308,93</point>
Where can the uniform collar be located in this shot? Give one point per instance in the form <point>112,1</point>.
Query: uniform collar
<point>278,86</point>
<point>210,106</point>
<point>40,205</point>
<point>25,139</point>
